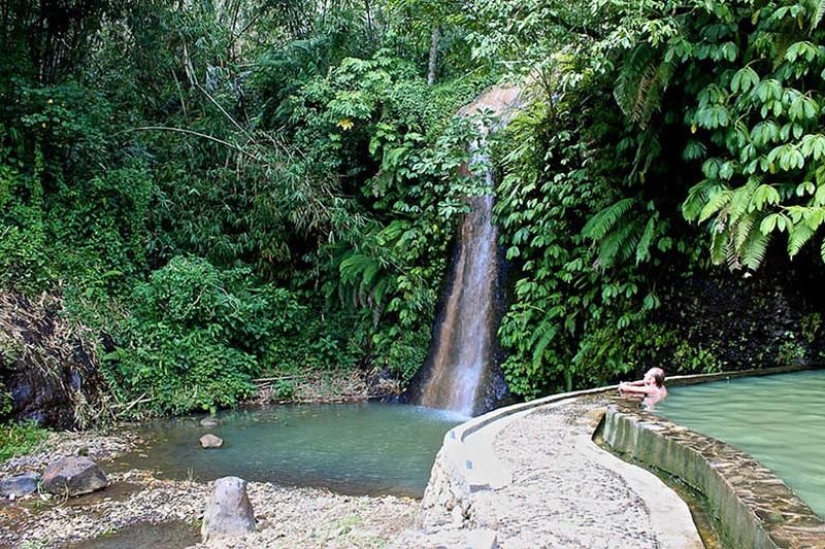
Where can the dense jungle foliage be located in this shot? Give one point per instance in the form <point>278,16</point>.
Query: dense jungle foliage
<point>231,189</point>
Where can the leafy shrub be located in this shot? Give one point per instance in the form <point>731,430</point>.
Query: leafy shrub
<point>196,336</point>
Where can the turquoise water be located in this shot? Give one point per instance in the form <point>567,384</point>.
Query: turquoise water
<point>355,449</point>
<point>778,419</point>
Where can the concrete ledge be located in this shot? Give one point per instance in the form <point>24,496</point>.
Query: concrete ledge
<point>468,447</point>
<point>755,508</point>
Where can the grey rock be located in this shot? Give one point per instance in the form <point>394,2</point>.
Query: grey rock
<point>210,441</point>
<point>19,485</point>
<point>228,511</point>
<point>73,476</point>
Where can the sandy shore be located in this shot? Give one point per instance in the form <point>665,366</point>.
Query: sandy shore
<point>286,517</point>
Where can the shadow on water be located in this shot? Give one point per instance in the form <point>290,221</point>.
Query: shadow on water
<point>353,449</point>
<point>168,535</point>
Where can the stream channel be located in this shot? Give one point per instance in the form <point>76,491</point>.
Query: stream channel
<point>355,449</point>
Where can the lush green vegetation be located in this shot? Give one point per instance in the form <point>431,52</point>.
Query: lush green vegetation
<point>243,188</point>
<point>18,439</point>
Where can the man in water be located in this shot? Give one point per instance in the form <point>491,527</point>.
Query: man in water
<point>649,390</point>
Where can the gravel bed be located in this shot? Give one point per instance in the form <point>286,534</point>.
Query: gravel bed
<point>287,517</point>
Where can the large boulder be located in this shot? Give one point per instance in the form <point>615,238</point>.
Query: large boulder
<point>19,485</point>
<point>73,476</point>
<point>228,511</point>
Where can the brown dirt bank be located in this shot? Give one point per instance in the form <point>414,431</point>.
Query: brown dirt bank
<point>287,517</point>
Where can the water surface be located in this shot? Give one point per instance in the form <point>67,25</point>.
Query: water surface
<point>355,449</point>
<point>778,419</point>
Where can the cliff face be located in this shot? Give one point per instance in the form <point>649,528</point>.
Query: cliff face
<point>46,373</point>
<point>726,321</point>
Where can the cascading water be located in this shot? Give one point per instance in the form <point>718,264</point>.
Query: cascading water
<point>463,354</point>
<point>461,372</point>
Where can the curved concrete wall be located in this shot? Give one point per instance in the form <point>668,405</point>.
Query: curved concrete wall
<point>755,508</point>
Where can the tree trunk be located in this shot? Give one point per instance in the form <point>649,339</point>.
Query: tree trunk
<point>433,65</point>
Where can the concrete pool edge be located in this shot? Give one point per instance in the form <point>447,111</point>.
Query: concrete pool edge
<point>755,507</point>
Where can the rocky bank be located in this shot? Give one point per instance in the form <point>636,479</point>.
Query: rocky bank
<point>286,517</point>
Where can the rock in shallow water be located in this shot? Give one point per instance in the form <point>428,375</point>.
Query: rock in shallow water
<point>210,441</point>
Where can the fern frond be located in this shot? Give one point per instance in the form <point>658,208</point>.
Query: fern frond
<point>643,247</point>
<point>649,149</point>
<point>753,251</point>
<point>741,199</point>
<point>544,334</point>
<point>718,248</point>
<point>698,196</point>
<point>604,221</point>
<point>715,203</point>
<point>742,230</point>
<point>641,83</point>
<point>619,244</point>
<point>819,11</point>
<point>798,236</point>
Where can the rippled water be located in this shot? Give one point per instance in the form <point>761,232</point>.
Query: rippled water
<point>356,449</point>
<point>778,419</point>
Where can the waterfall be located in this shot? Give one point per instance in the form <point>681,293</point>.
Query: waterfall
<point>461,372</point>
<point>460,362</point>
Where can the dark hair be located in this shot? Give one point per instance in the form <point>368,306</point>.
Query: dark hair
<point>658,376</point>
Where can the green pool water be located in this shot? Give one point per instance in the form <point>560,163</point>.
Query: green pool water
<point>778,419</point>
<point>355,449</point>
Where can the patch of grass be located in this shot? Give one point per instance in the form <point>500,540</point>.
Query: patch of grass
<point>19,438</point>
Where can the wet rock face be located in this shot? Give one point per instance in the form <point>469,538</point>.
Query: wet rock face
<point>726,321</point>
<point>73,476</point>
<point>228,511</point>
<point>44,364</point>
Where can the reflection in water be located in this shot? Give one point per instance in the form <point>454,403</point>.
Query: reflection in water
<point>168,535</point>
<point>356,449</point>
<point>777,419</point>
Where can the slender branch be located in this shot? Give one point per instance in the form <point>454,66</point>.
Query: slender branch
<point>223,111</point>
<point>190,132</point>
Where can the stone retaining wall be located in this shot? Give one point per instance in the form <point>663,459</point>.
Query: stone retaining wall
<point>755,508</point>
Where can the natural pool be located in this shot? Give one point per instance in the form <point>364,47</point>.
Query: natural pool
<point>778,419</point>
<point>355,449</point>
